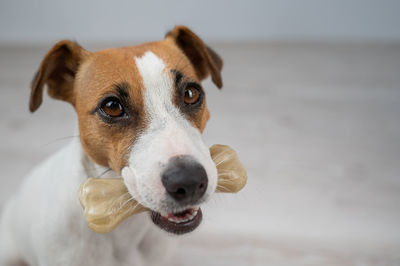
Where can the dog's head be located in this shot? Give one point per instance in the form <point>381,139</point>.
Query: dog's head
<point>141,112</point>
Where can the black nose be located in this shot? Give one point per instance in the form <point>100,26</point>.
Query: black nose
<point>185,179</point>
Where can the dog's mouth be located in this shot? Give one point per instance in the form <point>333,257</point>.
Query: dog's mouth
<point>178,223</point>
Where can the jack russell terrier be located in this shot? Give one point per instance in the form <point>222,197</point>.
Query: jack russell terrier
<point>141,112</point>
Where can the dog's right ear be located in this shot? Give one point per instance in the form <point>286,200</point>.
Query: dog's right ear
<point>205,60</point>
<point>57,71</point>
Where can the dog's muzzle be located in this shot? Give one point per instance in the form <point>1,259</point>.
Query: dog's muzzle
<point>185,181</point>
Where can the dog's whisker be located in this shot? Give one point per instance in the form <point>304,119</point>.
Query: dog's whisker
<point>124,194</point>
<point>126,202</point>
<point>220,161</point>
<point>60,139</point>
<point>222,172</point>
<point>118,200</point>
<point>223,187</point>
<point>137,205</point>
<point>105,172</point>
<point>133,208</point>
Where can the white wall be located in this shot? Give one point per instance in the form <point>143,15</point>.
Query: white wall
<point>100,20</point>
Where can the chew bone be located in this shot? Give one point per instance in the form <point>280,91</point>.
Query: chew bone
<point>107,202</point>
<point>232,175</point>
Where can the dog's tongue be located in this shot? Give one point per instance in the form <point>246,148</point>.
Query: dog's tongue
<point>107,202</point>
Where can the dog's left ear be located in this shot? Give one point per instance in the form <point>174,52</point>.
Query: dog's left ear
<point>57,71</point>
<point>203,58</point>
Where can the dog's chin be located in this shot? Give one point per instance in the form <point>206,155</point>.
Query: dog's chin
<point>178,223</point>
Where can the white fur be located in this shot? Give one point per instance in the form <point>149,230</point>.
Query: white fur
<point>168,134</point>
<point>43,224</point>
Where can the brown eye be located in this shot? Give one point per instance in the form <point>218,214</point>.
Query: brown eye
<point>112,107</point>
<point>192,95</point>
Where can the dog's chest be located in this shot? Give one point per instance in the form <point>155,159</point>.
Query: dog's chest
<point>65,237</point>
<point>120,247</point>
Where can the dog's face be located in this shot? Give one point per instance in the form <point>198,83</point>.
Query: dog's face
<point>141,111</point>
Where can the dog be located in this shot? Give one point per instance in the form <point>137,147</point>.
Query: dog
<point>141,113</point>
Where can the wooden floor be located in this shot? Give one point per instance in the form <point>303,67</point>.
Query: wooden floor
<point>317,126</point>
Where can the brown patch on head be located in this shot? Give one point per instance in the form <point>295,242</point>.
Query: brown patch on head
<point>109,74</point>
<point>87,80</point>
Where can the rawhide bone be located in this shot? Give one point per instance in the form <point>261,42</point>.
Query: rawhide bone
<point>107,202</point>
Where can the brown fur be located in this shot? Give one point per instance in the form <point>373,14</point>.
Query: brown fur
<point>82,78</point>
<point>58,70</point>
<point>204,59</point>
